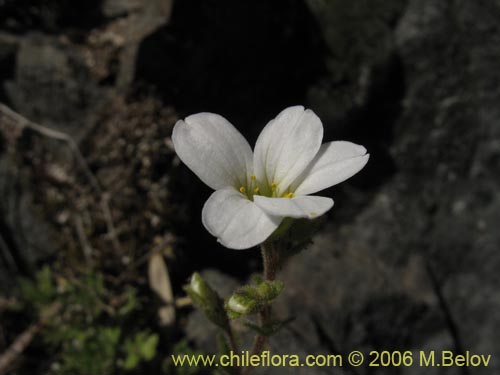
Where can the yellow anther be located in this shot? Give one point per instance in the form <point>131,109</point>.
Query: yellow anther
<point>242,190</point>
<point>253,177</point>
<point>273,186</point>
<point>256,190</point>
<point>289,195</point>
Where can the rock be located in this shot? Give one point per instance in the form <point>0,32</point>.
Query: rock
<point>25,237</point>
<point>417,267</point>
<point>53,85</point>
<point>359,39</point>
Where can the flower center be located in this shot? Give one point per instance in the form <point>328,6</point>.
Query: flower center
<point>255,187</point>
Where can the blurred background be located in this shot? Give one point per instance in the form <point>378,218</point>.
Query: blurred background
<point>100,223</point>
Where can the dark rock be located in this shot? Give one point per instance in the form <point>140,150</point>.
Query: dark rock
<point>417,268</point>
<point>49,15</point>
<point>25,237</point>
<point>359,38</point>
<point>53,85</point>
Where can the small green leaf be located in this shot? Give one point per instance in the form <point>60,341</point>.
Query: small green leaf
<point>130,302</point>
<point>148,348</point>
<point>44,283</point>
<point>141,347</point>
<point>131,361</point>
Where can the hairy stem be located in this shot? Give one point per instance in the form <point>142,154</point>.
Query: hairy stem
<point>270,262</point>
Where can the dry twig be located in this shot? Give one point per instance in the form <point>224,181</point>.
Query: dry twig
<point>20,344</point>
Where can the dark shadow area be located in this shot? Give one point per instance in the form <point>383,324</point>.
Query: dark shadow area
<point>246,60</point>
<point>21,16</point>
<point>373,124</point>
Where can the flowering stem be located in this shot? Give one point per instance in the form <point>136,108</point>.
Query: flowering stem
<point>270,262</point>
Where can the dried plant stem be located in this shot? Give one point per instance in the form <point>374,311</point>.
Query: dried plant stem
<point>270,262</point>
<point>20,344</point>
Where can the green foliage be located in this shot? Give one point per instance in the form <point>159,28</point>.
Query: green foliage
<point>87,334</point>
<point>90,351</point>
<point>39,292</point>
<point>182,348</point>
<point>87,343</point>
<point>86,296</point>
<point>131,302</point>
<point>141,347</point>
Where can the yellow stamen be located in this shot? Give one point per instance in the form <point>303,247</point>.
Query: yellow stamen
<point>256,190</point>
<point>242,190</point>
<point>273,186</point>
<point>253,177</point>
<point>289,195</point>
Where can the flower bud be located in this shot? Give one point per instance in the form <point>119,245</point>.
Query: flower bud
<point>253,298</point>
<point>196,283</point>
<point>239,304</point>
<point>207,300</point>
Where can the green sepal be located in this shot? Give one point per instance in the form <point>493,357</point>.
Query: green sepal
<point>298,237</point>
<point>251,299</point>
<point>270,328</point>
<point>282,229</point>
<point>207,300</point>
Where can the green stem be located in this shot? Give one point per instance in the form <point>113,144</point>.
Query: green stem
<point>270,262</point>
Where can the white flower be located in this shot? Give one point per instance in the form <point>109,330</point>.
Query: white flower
<point>255,191</point>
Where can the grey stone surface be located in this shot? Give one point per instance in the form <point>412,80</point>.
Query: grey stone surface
<point>24,234</point>
<point>54,85</point>
<point>417,267</point>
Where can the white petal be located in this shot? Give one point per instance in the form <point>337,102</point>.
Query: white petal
<point>286,146</point>
<point>305,206</point>
<point>237,222</point>
<point>214,150</point>
<point>334,163</point>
